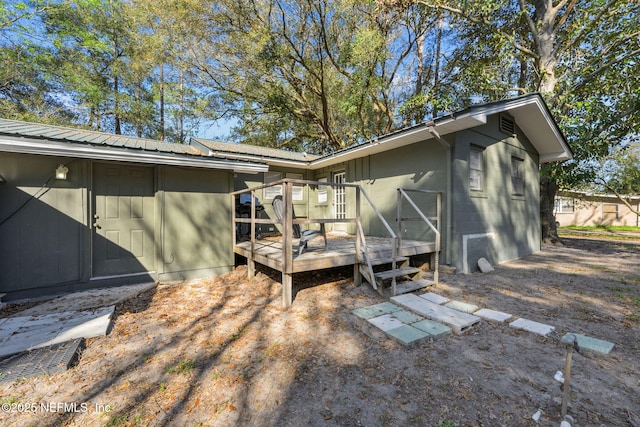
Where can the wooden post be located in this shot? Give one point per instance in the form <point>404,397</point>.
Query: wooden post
<point>251,264</point>
<point>287,246</point>
<point>357,279</point>
<point>436,274</point>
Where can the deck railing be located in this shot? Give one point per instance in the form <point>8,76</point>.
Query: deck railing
<point>403,195</point>
<point>288,221</point>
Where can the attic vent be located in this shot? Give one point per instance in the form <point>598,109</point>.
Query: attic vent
<point>507,125</point>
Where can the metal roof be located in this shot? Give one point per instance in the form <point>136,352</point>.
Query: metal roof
<point>219,147</point>
<point>50,140</point>
<point>58,133</point>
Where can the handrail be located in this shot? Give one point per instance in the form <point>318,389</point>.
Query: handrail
<point>287,184</point>
<point>402,193</point>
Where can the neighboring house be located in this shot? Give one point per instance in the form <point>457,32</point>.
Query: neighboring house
<point>129,210</point>
<point>133,209</point>
<point>484,159</point>
<point>580,208</point>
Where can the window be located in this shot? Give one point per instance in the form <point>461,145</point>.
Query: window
<point>475,169</point>
<point>517,180</point>
<point>323,192</point>
<point>610,211</point>
<point>297,191</point>
<point>271,192</point>
<point>563,205</point>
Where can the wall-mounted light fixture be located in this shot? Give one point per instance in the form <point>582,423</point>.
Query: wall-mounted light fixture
<point>61,172</point>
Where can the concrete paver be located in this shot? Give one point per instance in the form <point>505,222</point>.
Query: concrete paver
<point>531,326</point>
<point>456,320</point>
<point>488,314</point>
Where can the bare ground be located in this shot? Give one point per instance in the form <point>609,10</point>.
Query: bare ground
<point>222,352</point>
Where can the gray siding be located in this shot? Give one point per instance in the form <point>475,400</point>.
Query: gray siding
<point>195,228</point>
<point>494,223</point>
<point>45,247</point>
<point>43,238</point>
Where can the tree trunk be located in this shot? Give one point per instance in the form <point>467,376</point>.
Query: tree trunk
<point>548,189</point>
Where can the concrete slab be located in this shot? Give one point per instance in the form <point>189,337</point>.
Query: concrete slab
<point>406,316</point>
<point>386,322</point>
<point>18,334</point>
<point>435,329</point>
<point>375,310</point>
<point>456,320</point>
<point>407,334</point>
<point>593,345</point>
<point>531,326</point>
<point>462,306</point>
<point>434,298</point>
<point>496,316</point>
<point>86,300</point>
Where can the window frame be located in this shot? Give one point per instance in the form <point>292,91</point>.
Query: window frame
<point>479,171</point>
<point>517,176</point>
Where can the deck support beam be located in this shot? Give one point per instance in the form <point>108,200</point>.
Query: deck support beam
<point>287,290</point>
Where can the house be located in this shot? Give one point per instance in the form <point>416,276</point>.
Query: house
<point>588,209</point>
<point>484,161</point>
<point>82,209</point>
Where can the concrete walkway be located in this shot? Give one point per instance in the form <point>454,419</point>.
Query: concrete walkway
<point>83,314</point>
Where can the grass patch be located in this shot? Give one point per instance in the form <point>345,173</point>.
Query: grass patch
<point>607,228</point>
<point>184,367</point>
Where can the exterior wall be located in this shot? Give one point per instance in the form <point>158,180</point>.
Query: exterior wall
<point>590,211</point>
<point>417,166</point>
<point>494,223</point>
<point>43,239</point>
<point>196,239</point>
<point>46,246</point>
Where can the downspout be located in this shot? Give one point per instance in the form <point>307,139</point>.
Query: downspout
<point>449,185</point>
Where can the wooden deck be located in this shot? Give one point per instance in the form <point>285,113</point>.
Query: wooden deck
<point>341,251</point>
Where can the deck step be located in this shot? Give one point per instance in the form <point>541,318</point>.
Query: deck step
<point>413,285</point>
<point>456,320</point>
<point>381,261</point>
<point>398,272</point>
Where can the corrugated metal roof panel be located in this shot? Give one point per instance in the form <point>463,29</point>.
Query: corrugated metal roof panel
<point>254,150</point>
<point>72,135</point>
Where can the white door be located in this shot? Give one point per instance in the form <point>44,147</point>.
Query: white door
<point>339,201</point>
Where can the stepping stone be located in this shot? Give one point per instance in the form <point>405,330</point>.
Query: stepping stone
<point>434,298</point>
<point>531,326</point>
<point>496,316</point>
<point>462,306</point>
<point>406,316</point>
<point>435,329</point>
<point>456,320</point>
<point>386,322</point>
<point>376,310</point>
<point>407,334</point>
<point>593,345</point>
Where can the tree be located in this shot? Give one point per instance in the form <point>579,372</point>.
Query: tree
<point>25,91</point>
<point>580,54</point>
<point>303,75</point>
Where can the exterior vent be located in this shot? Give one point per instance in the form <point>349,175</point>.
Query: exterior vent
<point>507,124</point>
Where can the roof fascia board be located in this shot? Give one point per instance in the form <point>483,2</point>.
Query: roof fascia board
<point>87,152</point>
<point>401,138</point>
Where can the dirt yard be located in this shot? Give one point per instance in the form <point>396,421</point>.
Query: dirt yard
<point>222,352</point>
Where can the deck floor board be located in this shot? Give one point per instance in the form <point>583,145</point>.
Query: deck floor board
<point>340,251</point>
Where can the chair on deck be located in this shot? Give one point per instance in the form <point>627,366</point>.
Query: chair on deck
<point>299,232</point>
